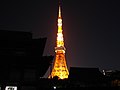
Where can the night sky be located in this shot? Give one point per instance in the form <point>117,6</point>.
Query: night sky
<point>91,28</point>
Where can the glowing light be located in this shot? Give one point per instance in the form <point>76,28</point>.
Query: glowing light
<point>60,67</point>
<point>11,88</point>
<point>54,87</point>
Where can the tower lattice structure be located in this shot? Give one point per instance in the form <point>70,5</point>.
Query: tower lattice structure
<point>60,66</point>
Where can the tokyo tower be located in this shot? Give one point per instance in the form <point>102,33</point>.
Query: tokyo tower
<point>60,67</point>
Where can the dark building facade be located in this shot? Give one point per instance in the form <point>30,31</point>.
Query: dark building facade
<point>22,61</point>
<point>86,77</point>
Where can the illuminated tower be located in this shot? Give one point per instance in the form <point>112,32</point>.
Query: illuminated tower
<point>60,67</point>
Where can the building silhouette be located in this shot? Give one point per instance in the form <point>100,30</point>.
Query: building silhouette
<point>86,77</point>
<point>22,61</point>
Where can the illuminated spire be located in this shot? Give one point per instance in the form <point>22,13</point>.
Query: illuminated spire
<point>60,41</point>
<point>59,12</point>
<point>60,67</point>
